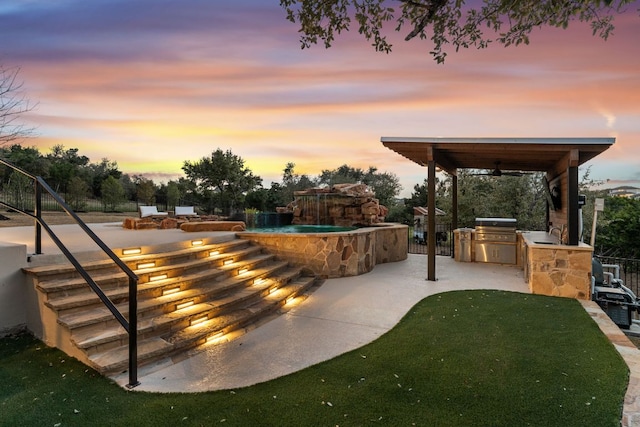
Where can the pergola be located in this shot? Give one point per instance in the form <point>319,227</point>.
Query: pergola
<point>558,157</point>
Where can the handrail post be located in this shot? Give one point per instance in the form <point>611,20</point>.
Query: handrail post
<point>38,214</point>
<point>133,333</point>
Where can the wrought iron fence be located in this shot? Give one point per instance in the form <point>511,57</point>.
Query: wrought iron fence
<point>444,240</point>
<point>629,271</point>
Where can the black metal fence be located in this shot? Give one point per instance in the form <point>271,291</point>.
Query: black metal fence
<point>629,271</point>
<point>444,240</point>
<point>23,199</point>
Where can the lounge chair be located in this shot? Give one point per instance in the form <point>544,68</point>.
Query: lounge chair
<point>151,212</point>
<point>185,212</point>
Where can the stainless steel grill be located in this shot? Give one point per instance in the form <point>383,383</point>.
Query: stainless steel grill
<point>495,240</point>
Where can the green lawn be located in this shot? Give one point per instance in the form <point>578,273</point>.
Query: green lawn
<point>457,359</point>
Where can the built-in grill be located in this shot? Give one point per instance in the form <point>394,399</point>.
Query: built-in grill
<point>495,240</point>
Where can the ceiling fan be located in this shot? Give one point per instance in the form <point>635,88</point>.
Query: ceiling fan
<point>498,172</point>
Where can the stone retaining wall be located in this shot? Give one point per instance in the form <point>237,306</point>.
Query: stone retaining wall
<point>339,254</point>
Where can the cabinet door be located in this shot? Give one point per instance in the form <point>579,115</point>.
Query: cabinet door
<point>498,253</point>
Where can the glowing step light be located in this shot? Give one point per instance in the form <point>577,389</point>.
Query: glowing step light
<point>214,253</point>
<point>184,305</point>
<point>258,280</point>
<point>242,271</point>
<point>146,265</point>
<point>158,277</point>
<point>197,243</point>
<point>170,291</point>
<point>199,320</point>
<point>228,261</point>
<point>215,337</point>
<point>132,251</point>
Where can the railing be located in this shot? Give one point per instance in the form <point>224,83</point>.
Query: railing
<point>131,326</point>
<point>629,271</point>
<point>444,240</point>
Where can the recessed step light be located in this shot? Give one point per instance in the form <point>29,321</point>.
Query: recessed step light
<point>184,305</point>
<point>197,242</point>
<point>170,291</point>
<point>158,277</point>
<point>146,265</point>
<point>228,261</point>
<point>131,251</point>
<point>198,320</point>
<point>214,253</point>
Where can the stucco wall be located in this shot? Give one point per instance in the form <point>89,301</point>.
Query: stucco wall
<point>13,316</point>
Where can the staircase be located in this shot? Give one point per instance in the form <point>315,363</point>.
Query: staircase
<point>187,298</point>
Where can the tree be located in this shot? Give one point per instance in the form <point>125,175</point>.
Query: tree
<point>77,193</point>
<point>63,166</point>
<point>222,180</point>
<point>112,194</point>
<point>13,104</point>
<point>173,194</point>
<point>146,192</point>
<point>27,158</point>
<point>618,236</point>
<point>98,172</point>
<point>445,22</point>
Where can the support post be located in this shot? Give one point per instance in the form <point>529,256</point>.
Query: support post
<point>572,198</point>
<point>572,208</point>
<point>454,209</point>
<point>431,220</point>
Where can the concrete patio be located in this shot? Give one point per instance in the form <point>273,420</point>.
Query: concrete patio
<point>342,315</point>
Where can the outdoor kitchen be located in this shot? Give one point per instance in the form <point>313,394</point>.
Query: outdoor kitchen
<point>555,261</point>
<point>550,267</point>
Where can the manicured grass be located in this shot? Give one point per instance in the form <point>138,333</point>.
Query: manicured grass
<point>457,359</point>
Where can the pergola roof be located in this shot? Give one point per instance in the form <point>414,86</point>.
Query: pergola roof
<point>521,154</point>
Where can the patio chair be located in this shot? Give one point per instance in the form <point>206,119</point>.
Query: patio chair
<point>185,212</point>
<point>151,212</point>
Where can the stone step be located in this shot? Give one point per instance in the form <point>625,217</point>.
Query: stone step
<point>101,315</point>
<point>188,297</point>
<point>176,319</point>
<point>233,324</point>
<point>89,298</point>
<point>105,279</point>
<point>44,271</point>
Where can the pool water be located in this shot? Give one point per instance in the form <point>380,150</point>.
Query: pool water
<point>302,229</point>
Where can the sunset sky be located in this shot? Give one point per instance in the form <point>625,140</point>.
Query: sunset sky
<point>152,83</point>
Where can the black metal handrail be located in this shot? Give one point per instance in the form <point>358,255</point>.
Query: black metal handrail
<point>131,326</point>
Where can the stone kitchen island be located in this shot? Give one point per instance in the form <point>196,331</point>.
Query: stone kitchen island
<point>549,268</point>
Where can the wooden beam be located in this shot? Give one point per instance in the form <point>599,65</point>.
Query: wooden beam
<point>454,207</point>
